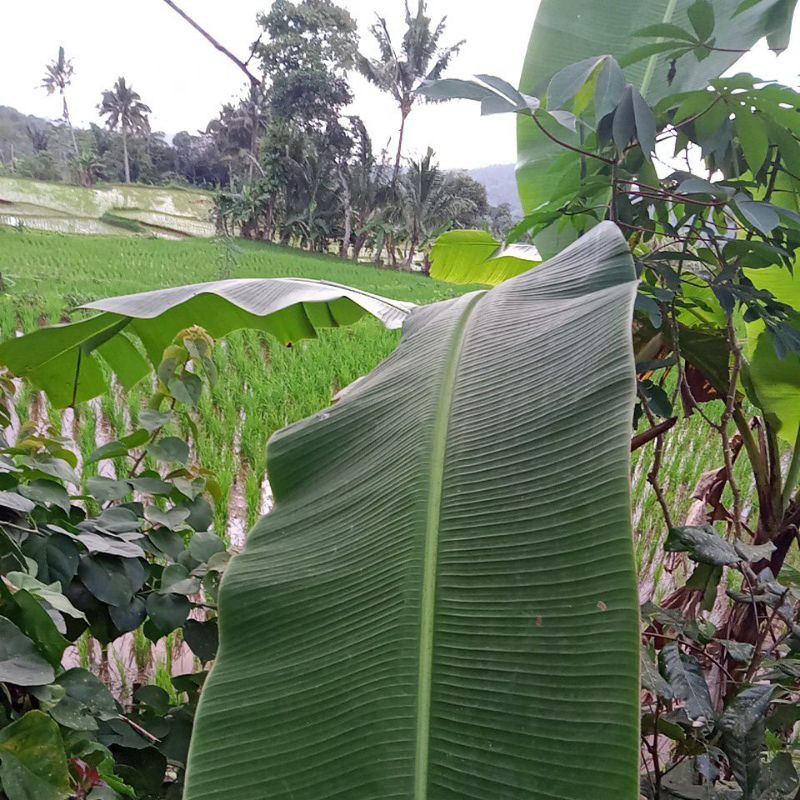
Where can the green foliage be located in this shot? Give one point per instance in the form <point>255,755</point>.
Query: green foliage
<point>62,360</point>
<point>309,47</point>
<point>132,553</point>
<point>413,614</point>
<point>673,62</point>
<point>716,247</point>
<point>474,257</point>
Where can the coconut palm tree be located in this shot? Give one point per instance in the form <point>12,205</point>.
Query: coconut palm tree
<point>127,113</point>
<point>429,201</point>
<point>57,77</point>
<point>401,73</point>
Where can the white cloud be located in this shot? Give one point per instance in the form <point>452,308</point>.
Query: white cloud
<point>185,80</point>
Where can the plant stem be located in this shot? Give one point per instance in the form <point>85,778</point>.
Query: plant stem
<point>609,161</point>
<point>652,476</point>
<point>730,408</point>
<point>792,475</point>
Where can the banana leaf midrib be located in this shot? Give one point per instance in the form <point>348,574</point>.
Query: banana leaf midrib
<point>431,542</point>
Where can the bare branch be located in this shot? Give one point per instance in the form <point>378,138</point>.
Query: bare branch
<point>222,49</point>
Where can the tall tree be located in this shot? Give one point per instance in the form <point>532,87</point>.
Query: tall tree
<point>309,47</point>
<point>401,73</point>
<point>57,77</point>
<point>127,113</point>
<point>428,201</point>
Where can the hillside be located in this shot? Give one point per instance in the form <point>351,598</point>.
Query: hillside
<point>106,209</point>
<point>14,126</point>
<point>501,185</point>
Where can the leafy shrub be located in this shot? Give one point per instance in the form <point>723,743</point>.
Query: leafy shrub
<point>131,554</point>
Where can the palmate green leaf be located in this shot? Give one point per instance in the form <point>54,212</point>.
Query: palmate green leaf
<point>475,257</point>
<point>443,601</point>
<point>62,360</point>
<point>568,31</point>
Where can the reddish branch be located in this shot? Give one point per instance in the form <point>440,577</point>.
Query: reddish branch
<point>643,438</point>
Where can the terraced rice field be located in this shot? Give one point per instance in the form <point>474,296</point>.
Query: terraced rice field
<point>262,385</point>
<point>116,210</point>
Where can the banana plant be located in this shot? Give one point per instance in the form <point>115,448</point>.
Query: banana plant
<point>443,601</point>
<point>65,360</point>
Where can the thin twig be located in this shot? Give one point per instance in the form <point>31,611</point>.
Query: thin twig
<point>139,729</point>
<point>552,138</point>
<point>757,658</point>
<point>222,49</point>
<point>652,475</point>
<point>643,438</point>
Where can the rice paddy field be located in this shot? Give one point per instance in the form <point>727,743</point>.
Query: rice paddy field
<point>264,386</point>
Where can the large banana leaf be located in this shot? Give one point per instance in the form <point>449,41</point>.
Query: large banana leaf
<point>475,257</point>
<point>774,382</point>
<point>62,360</point>
<point>443,602</point>
<point>568,31</point>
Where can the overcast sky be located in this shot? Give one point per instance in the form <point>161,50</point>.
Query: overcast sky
<point>185,80</point>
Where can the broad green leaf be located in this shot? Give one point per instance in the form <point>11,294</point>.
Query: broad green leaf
<point>665,30</point>
<point>176,580</point>
<point>119,447</point>
<point>105,490</point>
<point>128,618</point>
<point>170,450</point>
<point>154,697</point>
<point>174,519</point>
<point>20,660</point>
<point>773,383</point>
<point>167,612</point>
<point>652,680</point>
<point>443,601</point>
<point>743,725</point>
<point>16,502</point>
<point>475,257</point>
<point>566,83</point>
<point>63,359</point>
<point>46,493</point>
<point>701,15</point>
<point>50,593</point>
<point>204,545</point>
<point>752,132</point>
<point>33,765</point>
<point>86,699</point>
<point>30,617</point>
<point>685,676</point>
<point>110,579</point>
<point>703,544</point>
<point>741,652</point>
<point>568,31</point>
<point>202,638</point>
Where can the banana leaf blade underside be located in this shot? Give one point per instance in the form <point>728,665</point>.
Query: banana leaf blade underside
<point>443,602</point>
